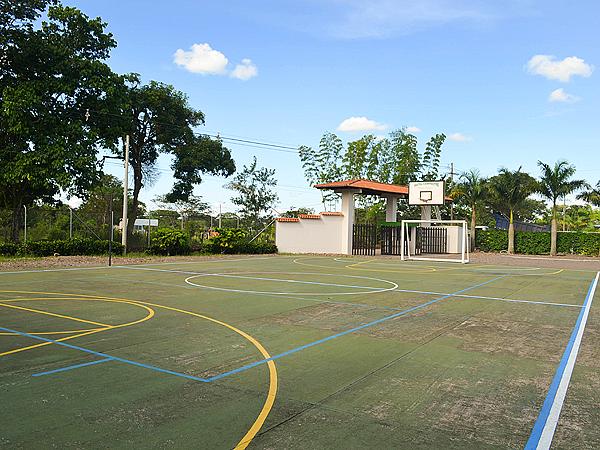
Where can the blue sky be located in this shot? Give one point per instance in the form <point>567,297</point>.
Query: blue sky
<point>285,72</point>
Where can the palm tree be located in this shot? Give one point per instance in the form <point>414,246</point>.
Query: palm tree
<point>508,192</point>
<point>555,182</point>
<point>591,195</point>
<point>472,190</point>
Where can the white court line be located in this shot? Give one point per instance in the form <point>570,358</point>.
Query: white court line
<point>369,289</point>
<point>543,430</point>
<point>54,270</point>
<point>512,300</point>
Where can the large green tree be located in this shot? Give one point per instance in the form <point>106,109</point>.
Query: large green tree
<point>52,74</point>
<point>255,193</point>
<point>509,191</point>
<point>556,182</point>
<point>159,119</point>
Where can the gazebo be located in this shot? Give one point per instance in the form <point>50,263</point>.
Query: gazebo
<point>332,232</point>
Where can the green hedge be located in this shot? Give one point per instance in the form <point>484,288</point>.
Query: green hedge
<point>235,241</point>
<point>170,241</point>
<point>532,243</point>
<point>69,247</point>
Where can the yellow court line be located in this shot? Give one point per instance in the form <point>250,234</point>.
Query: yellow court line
<point>76,319</point>
<point>273,381</point>
<point>43,344</point>
<point>49,333</point>
<point>83,332</point>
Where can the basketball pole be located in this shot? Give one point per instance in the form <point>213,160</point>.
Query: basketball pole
<point>125,192</point>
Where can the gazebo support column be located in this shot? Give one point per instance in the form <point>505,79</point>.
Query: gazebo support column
<point>391,209</point>
<point>348,222</point>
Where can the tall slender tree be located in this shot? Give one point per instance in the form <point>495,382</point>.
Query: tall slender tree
<point>556,182</point>
<point>509,191</point>
<point>255,193</point>
<point>473,191</point>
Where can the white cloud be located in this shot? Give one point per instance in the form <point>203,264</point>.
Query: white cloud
<point>360,124</point>
<point>459,137</point>
<point>413,129</point>
<point>245,70</point>
<point>560,96</point>
<point>548,66</point>
<point>202,59</point>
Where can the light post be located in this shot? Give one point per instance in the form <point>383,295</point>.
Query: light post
<point>25,229</point>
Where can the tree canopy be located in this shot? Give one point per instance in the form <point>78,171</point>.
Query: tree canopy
<point>393,159</point>
<point>255,194</point>
<point>53,72</point>
<point>159,119</point>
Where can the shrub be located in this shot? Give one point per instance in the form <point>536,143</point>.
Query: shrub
<point>532,243</point>
<point>235,241</point>
<point>8,249</point>
<point>68,247</point>
<point>170,241</point>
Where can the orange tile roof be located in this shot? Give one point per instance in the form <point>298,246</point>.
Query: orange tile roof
<point>288,219</point>
<point>309,216</point>
<point>332,213</point>
<point>371,187</point>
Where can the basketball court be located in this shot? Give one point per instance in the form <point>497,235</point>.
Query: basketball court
<point>300,351</point>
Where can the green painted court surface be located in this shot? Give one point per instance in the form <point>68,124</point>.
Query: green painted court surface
<point>366,353</point>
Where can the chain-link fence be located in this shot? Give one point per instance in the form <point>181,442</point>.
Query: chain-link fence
<point>52,223</point>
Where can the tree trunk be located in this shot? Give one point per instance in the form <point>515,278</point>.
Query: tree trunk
<point>473,224</point>
<point>553,233</point>
<point>511,235</point>
<point>137,187</point>
<point>17,213</point>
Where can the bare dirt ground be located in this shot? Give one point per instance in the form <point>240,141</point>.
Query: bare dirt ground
<point>571,262</point>
<point>55,262</point>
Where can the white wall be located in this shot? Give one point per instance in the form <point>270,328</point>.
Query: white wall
<point>323,235</point>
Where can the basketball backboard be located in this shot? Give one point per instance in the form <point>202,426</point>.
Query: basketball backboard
<point>426,193</point>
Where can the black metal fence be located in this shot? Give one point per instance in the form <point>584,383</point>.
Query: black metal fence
<point>432,240</point>
<point>364,239</point>
<point>391,240</point>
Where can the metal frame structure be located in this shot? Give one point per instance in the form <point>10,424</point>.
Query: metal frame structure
<point>405,253</point>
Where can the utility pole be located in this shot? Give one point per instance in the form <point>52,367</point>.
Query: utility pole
<point>125,192</point>
<point>219,215</point>
<point>451,180</point>
<point>70,223</point>
<point>25,229</point>
<point>110,238</point>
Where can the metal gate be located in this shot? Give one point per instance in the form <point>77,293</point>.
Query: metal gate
<point>431,240</point>
<point>364,239</point>
<point>391,243</point>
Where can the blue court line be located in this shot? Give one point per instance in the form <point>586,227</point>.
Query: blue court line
<point>540,423</point>
<point>74,366</point>
<point>351,330</point>
<point>256,363</point>
<point>104,355</point>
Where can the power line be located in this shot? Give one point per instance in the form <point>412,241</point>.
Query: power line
<point>169,171</point>
<point>247,142</point>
